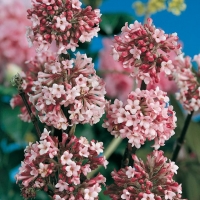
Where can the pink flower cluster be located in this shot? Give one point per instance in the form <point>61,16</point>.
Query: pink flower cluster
<point>150,181</point>
<point>68,92</point>
<point>188,83</point>
<point>13,43</point>
<point>29,75</point>
<point>62,167</point>
<point>145,50</point>
<point>117,79</point>
<point>62,21</point>
<point>146,116</point>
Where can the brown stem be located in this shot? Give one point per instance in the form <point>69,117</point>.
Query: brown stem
<point>32,116</point>
<point>143,86</point>
<point>72,130</point>
<point>18,81</point>
<point>180,140</point>
<point>127,158</point>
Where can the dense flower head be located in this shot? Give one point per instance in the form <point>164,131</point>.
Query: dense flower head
<point>145,49</point>
<point>62,21</point>
<point>152,180</point>
<point>117,79</point>
<point>146,116</point>
<point>188,82</point>
<point>68,92</point>
<point>13,43</point>
<point>62,167</point>
<point>29,75</point>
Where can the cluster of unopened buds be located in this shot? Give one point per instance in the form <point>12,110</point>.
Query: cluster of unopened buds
<point>63,22</point>
<point>145,50</point>
<point>146,116</point>
<point>152,180</point>
<point>187,80</point>
<point>62,167</point>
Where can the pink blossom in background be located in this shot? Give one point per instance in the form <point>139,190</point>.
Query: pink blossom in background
<point>117,79</point>
<point>164,84</point>
<point>13,43</point>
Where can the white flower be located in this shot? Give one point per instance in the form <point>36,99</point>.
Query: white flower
<point>44,147</point>
<point>167,67</point>
<point>130,172</point>
<point>62,23</point>
<point>57,197</point>
<point>66,158</point>
<point>72,169</point>
<point>45,134</point>
<point>136,53</point>
<point>98,147</point>
<point>125,195</point>
<point>76,4</point>
<point>43,170</point>
<point>159,35</point>
<point>169,195</point>
<point>92,192</point>
<point>148,197</point>
<point>62,185</point>
<point>173,167</point>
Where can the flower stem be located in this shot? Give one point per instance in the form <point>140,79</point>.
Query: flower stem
<point>72,130</point>
<point>143,86</point>
<point>32,116</point>
<point>127,158</point>
<point>18,81</point>
<point>180,140</point>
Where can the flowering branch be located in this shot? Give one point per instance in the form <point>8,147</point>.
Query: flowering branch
<point>180,140</point>
<point>32,116</point>
<point>17,81</point>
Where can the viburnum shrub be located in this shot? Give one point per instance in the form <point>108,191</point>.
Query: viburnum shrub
<point>64,92</point>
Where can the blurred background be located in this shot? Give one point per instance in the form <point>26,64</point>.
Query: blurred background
<point>172,16</point>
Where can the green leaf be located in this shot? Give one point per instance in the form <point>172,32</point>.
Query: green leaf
<point>193,138</point>
<point>4,183</point>
<point>102,196</point>
<point>42,195</point>
<point>84,131</point>
<point>12,125</point>
<point>14,160</point>
<point>93,3</point>
<point>192,187</point>
<point>113,22</point>
<point>7,90</point>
